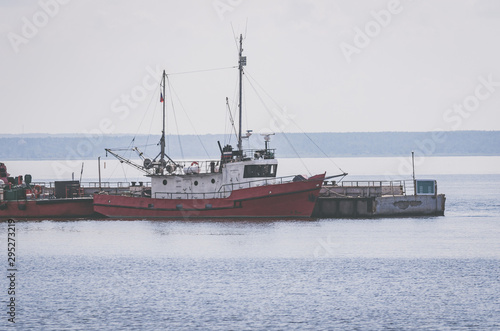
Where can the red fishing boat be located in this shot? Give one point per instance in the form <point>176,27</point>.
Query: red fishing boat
<point>20,198</point>
<point>242,183</point>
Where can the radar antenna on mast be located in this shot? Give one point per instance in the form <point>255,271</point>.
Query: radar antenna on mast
<point>267,139</point>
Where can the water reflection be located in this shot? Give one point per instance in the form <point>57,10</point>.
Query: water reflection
<point>427,237</point>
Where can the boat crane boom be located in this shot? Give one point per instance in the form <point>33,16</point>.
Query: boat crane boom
<point>127,161</point>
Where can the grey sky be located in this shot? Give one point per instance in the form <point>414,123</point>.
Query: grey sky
<point>82,66</point>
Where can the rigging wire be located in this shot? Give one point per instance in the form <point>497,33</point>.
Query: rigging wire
<point>172,89</point>
<point>202,70</point>
<point>291,119</point>
<point>235,107</point>
<point>127,148</point>
<point>152,120</point>
<point>235,39</point>
<point>244,100</point>
<point>153,97</point>
<point>175,118</point>
<point>130,148</point>
<point>231,117</point>
<point>146,112</point>
<point>284,134</point>
<point>124,172</point>
<point>226,121</point>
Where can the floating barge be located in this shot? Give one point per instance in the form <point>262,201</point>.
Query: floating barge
<point>64,199</point>
<point>360,199</point>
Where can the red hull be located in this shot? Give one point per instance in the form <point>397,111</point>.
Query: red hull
<point>80,207</point>
<point>295,199</point>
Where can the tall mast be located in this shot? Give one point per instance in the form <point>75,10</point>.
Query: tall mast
<point>162,141</point>
<point>242,62</point>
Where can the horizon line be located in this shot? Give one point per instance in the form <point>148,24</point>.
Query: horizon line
<point>256,133</point>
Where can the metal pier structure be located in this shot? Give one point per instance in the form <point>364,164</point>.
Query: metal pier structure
<point>366,199</point>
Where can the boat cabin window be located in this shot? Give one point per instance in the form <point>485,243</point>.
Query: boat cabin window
<point>265,170</point>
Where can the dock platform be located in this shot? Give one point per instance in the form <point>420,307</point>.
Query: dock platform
<point>367,199</point>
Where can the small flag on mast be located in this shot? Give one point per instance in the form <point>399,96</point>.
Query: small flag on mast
<point>161,97</point>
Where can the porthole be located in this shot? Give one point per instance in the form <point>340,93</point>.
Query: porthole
<point>195,183</point>
<point>164,182</point>
<point>213,181</point>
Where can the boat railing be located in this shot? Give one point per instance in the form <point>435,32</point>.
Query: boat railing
<point>115,184</point>
<point>248,154</point>
<point>190,195</point>
<point>259,153</point>
<point>226,189</point>
<point>259,182</point>
<point>379,183</point>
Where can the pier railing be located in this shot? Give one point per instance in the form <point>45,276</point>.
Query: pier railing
<point>370,188</point>
<point>96,184</point>
<point>85,189</point>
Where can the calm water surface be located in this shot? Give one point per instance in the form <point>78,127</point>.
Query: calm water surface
<point>431,273</point>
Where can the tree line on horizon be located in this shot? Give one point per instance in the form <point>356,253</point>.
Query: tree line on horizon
<point>355,144</point>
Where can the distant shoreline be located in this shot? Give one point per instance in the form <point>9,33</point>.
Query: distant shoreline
<point>349,144</point>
